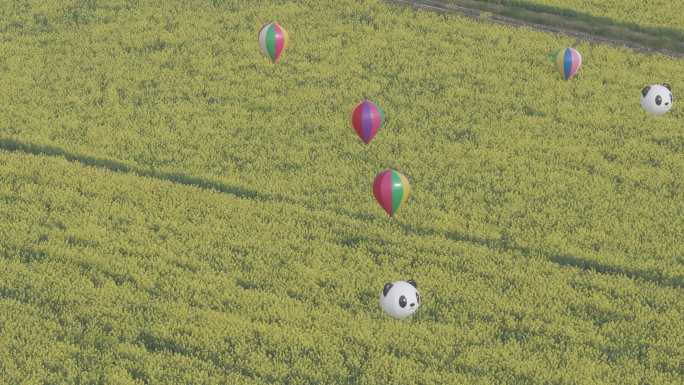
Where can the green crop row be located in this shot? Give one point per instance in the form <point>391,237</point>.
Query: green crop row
<point>213,221</point>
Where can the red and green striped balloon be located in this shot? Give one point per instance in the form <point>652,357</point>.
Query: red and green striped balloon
<point>272,40</point>
<point>367,119</point>
<point>391,190</point>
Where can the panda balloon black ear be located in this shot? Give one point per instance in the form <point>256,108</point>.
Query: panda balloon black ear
<point>413,283</point>
<point>644,92</point>
<point>386,289</point>
<point>669,87</point>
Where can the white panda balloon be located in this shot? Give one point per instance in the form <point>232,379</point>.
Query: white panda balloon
<point>657,99</point>
<point>400,299</point>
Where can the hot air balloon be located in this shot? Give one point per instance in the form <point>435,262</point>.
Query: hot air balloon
<point>391,190</point>
<point>568,61</point>
<point>367,118</point>
<point>272,40</point>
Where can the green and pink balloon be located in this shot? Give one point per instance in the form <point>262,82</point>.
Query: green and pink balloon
<point>272,40</point>
<point>391,190</point>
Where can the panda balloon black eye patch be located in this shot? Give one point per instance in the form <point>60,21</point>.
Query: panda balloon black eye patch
<point>644,91</point>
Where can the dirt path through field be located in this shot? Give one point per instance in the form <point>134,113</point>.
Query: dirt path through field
<point>440,6</point>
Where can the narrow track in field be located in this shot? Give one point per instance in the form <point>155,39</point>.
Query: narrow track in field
<point>479,14</point>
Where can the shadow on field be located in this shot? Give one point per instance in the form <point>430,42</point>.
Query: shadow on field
<point>116,166</point>
<point>504,244</point>
<point>654,276</point>
<point>501,244</point>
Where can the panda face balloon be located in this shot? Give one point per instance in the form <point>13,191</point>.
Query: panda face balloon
<point>657,99</point>
<point>400,299</point>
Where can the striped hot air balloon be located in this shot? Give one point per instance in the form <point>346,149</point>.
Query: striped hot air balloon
<point>391,190</point>
<point>568,61</point>
<point>272,40</point>
<point>367,119</point>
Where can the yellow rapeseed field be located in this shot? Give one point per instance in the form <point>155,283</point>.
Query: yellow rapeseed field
<point>175,209</point>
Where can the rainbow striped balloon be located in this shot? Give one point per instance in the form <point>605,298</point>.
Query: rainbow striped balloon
<point>367,119</point>
<point>272,40</point>
<point>391,190</point>
<point>568,61</point>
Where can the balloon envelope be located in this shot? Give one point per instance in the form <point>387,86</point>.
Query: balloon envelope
<point>367,118</point>
<point>569,62</point>
<point>391,190</point>
<point>272,40</point>
<point>657,99</point>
